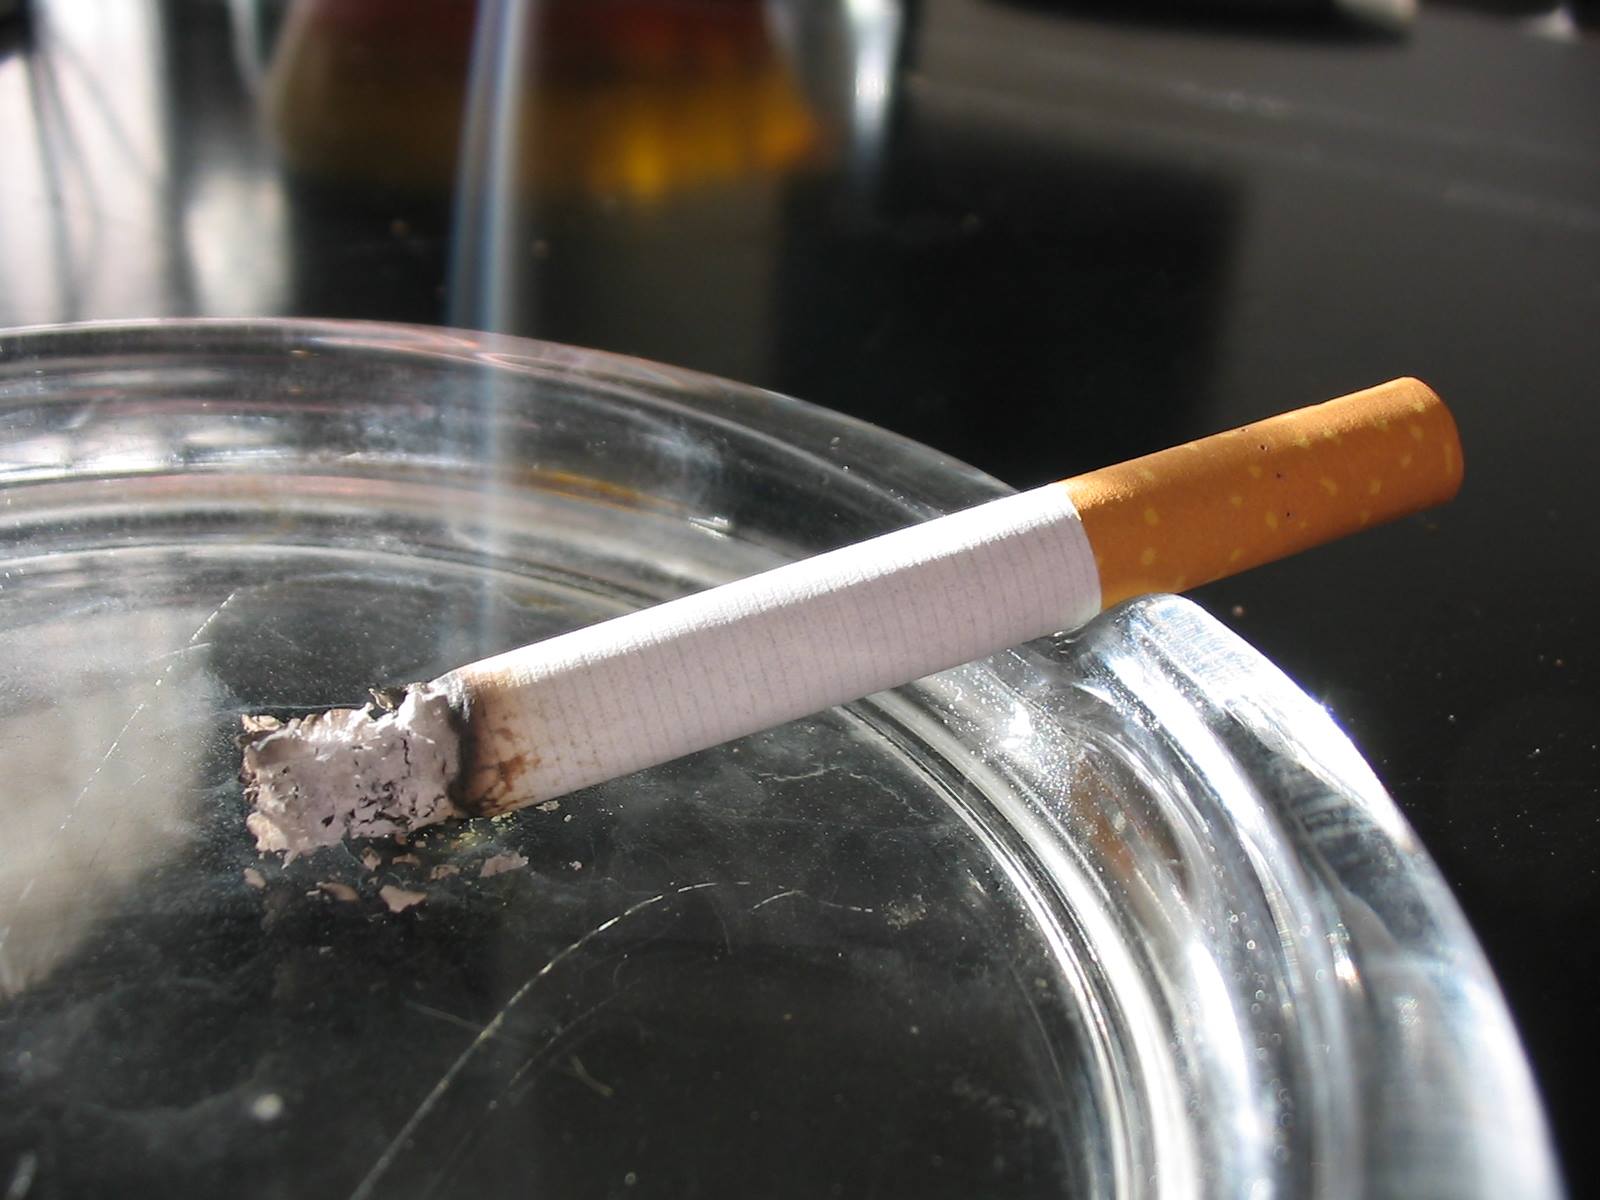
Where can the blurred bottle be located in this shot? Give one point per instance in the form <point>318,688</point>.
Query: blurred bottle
<point>621,98</point>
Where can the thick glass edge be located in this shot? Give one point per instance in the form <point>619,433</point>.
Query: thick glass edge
<point>1416,1006</point>
<point>919,478</point>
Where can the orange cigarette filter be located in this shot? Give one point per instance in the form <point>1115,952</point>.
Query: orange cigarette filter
<point>1186,516</point>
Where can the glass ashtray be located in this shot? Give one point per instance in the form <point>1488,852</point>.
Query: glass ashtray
<point>1115,914</point>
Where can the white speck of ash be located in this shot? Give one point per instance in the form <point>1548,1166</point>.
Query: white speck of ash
<point>399,899</point>
<point>501,863</point>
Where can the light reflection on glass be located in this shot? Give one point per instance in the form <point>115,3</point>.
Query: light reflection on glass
<point>1217,1027</point>
<point>94,161</point>
<point>109,213</point>
<point>103,709</point>
<point>228,217</point>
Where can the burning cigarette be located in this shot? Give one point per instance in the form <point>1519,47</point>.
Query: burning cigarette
<point>543,720</point>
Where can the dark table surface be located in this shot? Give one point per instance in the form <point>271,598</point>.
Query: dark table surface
<point>1040,237</point>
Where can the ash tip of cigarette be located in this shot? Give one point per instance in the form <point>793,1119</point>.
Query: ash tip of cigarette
<point>385,770</point>
<point>388,699</point>
<point>256,726</point>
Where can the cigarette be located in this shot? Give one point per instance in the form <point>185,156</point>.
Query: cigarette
<point>601,702</point>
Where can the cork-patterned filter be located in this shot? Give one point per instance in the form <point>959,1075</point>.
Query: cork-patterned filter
<point>1186,516</point>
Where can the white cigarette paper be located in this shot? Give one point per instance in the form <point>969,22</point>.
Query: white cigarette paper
<point>662,682</point>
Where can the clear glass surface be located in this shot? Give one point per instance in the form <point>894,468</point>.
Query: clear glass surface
<point>1118,914</point>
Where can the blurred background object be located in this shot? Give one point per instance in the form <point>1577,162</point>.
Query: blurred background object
<point>1038,235</point>
<point>622,98</point>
